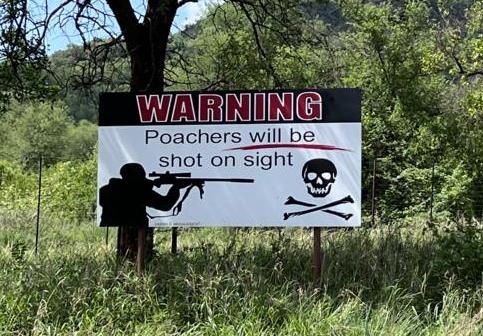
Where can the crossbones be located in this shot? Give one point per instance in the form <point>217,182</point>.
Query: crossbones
<point>313,208</point>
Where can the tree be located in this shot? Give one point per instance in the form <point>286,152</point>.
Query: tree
<point>145,36</point>
<point>252,46</point>
<point>34,130</point>
<point>22,54</point>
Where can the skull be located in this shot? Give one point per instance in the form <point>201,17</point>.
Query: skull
<point>319,174</point>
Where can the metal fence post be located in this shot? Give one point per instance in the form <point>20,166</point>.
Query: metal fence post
<point>37,226</point>
<point>431,200</point>
<point>373,195</point>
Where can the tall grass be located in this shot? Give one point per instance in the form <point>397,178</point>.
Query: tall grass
<point>232,282</point>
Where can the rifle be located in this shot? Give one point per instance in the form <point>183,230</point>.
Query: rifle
<point>168,178</point>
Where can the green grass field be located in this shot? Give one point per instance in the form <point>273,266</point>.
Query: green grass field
<point>239,282</point>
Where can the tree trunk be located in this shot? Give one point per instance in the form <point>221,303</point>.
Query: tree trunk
<point>147,65</point>
<point>146,43</point>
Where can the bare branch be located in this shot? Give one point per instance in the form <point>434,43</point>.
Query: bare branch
<point>184,2</point>
<point>474,73</point>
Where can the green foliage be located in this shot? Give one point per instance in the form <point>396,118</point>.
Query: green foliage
<point>39,129</point>
<point>80,141</point>
<point>242,46</point>
<point>84,73</point>
<point>23,58</point>
<point>32,130</point>
<point>415,109</point>
<point>408,194</point>
<point>454,198</point>
<point>460,253</point>
<point>17,188</point>
<point>68,190</point>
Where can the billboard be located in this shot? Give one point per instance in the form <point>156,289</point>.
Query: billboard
<point>230,158</point>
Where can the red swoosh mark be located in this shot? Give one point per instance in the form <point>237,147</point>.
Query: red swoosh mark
<point>304,146</point>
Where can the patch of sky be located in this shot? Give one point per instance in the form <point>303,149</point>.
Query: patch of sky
<point>62,31</point>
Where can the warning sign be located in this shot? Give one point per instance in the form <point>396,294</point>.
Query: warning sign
<point>251,158</point>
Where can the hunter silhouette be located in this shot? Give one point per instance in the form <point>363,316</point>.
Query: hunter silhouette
<point>124,200</point>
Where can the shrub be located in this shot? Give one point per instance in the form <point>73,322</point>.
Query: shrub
<point>69,189</point>
<point>17,188</point>
<point>460,253</point>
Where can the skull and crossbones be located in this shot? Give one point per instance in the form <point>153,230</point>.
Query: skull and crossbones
<point>319,176</point>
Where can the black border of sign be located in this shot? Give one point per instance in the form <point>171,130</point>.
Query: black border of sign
<point>338,105</point>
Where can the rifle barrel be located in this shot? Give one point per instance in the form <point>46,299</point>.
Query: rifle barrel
<point>214,179</point>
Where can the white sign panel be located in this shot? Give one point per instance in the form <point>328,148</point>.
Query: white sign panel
<point>258,158</point>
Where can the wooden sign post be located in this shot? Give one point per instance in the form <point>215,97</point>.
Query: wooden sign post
<point>141,252</point>
<point>317,257</point>
<point>174,240</point>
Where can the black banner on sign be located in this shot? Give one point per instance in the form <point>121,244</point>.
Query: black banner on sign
<point>231,107</point>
